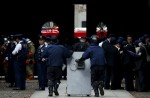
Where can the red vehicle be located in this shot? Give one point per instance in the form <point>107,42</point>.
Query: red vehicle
<point>78,32</point>
<point>81,32</point>
<point>50,32</point>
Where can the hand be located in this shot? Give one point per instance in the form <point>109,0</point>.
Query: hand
<point>30,54</point>
<point>77,60</point>
<point>43,59</point>
<point>6,58</point>
<point>27,62</point>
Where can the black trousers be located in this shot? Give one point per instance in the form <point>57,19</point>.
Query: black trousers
<point>20,73</point>
<point>146,74</point>
<point>97,73</point>
<point>113,74</point>
<point>41,71</point>
<point>11,74</point>
<point>129,76</point>
<point>54,73</point>
<point>140,84</point>
<point>64,72</point>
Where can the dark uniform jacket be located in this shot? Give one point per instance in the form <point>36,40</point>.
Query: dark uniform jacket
<point>40,54</point>
<point>127,58</point>
<point>56,54</point>
<point>96,55</point>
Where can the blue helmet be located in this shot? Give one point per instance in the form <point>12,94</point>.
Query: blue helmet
<point>94,39</point>
<point>120,40</point>
<point>48,38</point>
<point>124,43</point>
<point>113,40</point>
<point>136,42</point>
<point>146,36</point>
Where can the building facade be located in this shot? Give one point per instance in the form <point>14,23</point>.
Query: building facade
<point>80,15</point>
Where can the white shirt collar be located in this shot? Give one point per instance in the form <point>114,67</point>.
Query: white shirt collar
<point>41,45</point>
<point>117,47</point>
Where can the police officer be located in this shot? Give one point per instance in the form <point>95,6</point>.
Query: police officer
<point>107,41</point>
<point>41,65</point>
<point>19,64</point>
<point>55,55</point>
<point>81,45</point>
<point>128,63</point>
<point>97,57</point>
<point>10,59</point>
<point>145,68</point>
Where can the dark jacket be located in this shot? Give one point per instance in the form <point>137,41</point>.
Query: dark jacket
<point>141,62</point>
<point>9,50</point>
<point>96,55</point>
<point>112,55</point>
<point>128,59</point>
<point>40,54</point>
<point>56,54</point>
<point>81,46</point>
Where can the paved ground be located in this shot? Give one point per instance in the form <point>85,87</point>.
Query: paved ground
<point>141,94</point>
<point>63,93</point>
<point>6,92</point>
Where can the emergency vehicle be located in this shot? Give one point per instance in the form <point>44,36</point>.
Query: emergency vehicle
<point>78,32</point>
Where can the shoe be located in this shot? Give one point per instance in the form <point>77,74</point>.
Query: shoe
<point>95,88</point>
<point>101,88</point>
<point>96,95</point>
<point>50,88</point>
<point>56,89</point>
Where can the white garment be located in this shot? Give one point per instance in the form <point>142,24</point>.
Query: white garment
<point>100,44</point>
<point>41,46</point>
<point>117,47</point>
<point>46,44</point>
<point>17,48</point>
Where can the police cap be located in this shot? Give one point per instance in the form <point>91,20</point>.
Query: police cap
<point>146,36</point>
<point>113,40</point>
<point>94,39</point>
<point>48,38</point>
<point>11,37</point>
<point>42,37</point>
<point>120,40</point>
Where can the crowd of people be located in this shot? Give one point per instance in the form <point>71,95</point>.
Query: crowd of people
<point>113,59</point>
<point>7,58</point>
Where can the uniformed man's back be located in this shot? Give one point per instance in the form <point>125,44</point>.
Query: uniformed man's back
<point>56,55</point>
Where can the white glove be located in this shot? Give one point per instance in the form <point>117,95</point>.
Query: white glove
<point>121,52</point>
<point>43,59</point>
<point>63,67</point>
<point>6,58</point>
